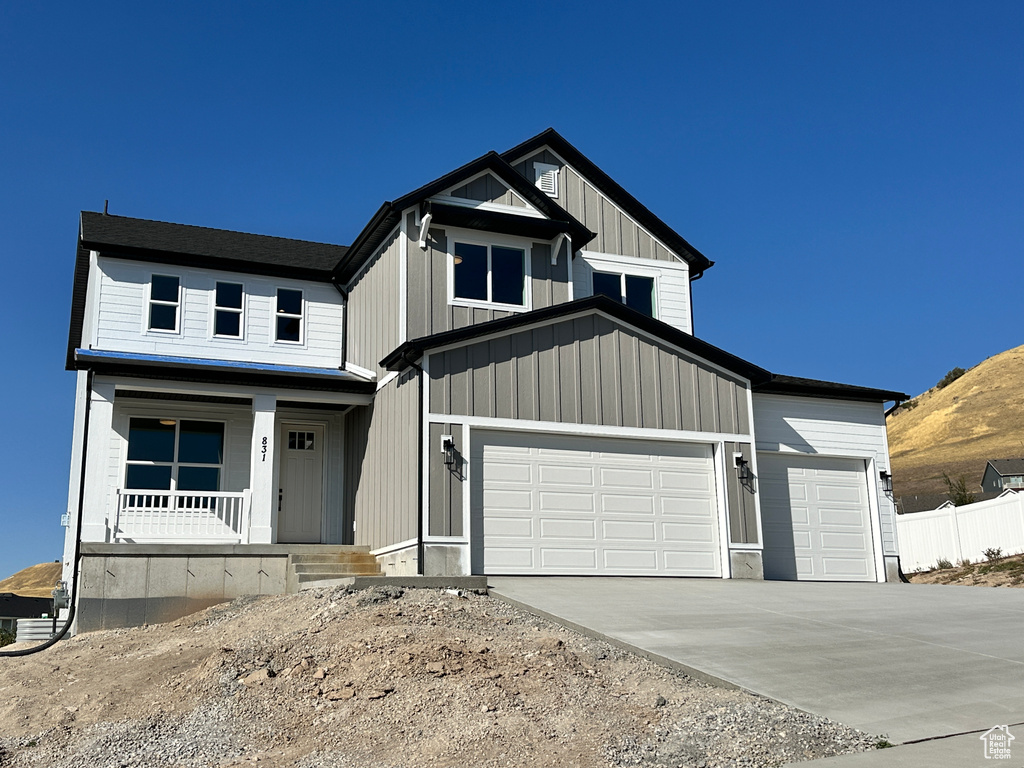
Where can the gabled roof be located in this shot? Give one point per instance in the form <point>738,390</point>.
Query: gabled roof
<point>762,380</point>
<point>1004,467</point>
<point>552,139</point>
<point>169,243</point>
<point>389,214</point>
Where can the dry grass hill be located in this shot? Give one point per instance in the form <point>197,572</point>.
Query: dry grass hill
<point>956,429</point>
<point>34,581</point>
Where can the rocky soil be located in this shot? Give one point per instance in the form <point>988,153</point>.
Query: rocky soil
<point>381,678</point>
<point>1001,572</point>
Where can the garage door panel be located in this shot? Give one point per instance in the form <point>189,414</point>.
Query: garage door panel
<point>598,505</point>
<point>816,518</point>
<point>585,530</point>
<point>566,502</point>
<point>621,530</point>
<point>569,558</point>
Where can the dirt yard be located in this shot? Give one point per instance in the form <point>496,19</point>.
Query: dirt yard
<point>1003,572</point>
<point>380,678</point>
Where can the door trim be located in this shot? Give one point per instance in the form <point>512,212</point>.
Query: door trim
<point>282,442</point>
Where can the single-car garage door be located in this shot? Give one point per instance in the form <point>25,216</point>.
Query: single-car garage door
<point>559,504</point>
<point>816,518</point>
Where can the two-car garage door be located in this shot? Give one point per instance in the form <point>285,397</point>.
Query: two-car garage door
<point>561,504</point>
<point>816,518</point>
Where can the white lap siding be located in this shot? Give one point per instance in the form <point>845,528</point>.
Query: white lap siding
<point>836,428</point>
<point>121,317</point>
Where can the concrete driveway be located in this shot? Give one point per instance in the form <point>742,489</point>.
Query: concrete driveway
<point>911,662</point>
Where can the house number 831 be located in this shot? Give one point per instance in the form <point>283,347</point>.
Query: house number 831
<point>264,451</point>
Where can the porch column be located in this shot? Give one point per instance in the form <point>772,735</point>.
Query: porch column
<point>262,470</point>
<point>100,496</point>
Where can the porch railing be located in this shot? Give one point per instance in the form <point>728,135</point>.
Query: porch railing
<point>186,516</point>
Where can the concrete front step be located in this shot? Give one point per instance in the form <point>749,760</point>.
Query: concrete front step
<point>328,565</point>
<point>338,569</point>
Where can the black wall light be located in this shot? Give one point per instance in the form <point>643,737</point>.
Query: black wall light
<point>448,449</point>
<point>886,480</point>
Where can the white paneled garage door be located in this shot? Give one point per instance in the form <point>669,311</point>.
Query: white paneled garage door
<point>816,518</point>
<point>558,504</point>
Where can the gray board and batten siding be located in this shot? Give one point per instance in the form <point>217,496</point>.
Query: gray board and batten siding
<point>587,370</point>
<point>382,465</point>
<point>373,308</point>
<point>740,494</point>
<point>488,189</point>
<point>446,484</point>
<point>429,311</point>
<point>617,233</point>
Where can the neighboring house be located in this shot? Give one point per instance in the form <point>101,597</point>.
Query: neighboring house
<point>498,376</point>
<point>1001,474</point>
<point>14,607</point>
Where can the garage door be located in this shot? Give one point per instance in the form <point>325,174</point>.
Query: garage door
<point>556,504</point>
<point>816,518</point>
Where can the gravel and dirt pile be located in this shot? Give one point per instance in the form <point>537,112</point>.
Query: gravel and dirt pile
<point>1000,572</point>
<point>381,678</point>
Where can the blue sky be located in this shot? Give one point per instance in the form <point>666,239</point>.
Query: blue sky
<point>853,168</point>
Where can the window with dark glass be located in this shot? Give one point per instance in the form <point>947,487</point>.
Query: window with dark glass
<point>173,454</point>
<point>289,315</point>
<point>227,313</point>
<point>490,273</point>
<point>635,291</point>
<point>164,302</point>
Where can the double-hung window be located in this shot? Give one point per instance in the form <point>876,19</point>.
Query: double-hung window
<point>491,274</point>
<point>164,303</point>
<point>635,291</point>
<point>175,455</point>
<point>227,310</point>
<point>289,316</point>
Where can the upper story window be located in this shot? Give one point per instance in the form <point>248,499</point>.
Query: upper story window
<point>289,315</point>
<point>174,455</point>
<point>635,291</point>
<point>491,274</point>
<point>227,311</point>
<point>164,303</point>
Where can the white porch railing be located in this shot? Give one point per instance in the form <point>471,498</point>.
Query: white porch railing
<point>182,516</point>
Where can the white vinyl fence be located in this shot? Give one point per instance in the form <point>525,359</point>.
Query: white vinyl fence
<point>961,533</point>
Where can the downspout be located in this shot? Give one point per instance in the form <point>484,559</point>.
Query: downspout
<point>419,464</point>
<point>73,602</point>
<point>344,325</point>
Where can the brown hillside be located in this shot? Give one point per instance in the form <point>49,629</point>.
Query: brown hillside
<point>34,581</point>
<point>978,417</point>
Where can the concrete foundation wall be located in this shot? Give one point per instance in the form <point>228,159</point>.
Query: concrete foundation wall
<point>401,562</point>
<point>151,584</point>
<point>746,565</point>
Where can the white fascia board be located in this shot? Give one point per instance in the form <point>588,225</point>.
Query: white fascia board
<point>590,184</point>
<point>588,430</point>
<point>447,193</point>
<point>562,318</point>
<point>612,259</point>
<point>360,371</point>
<point>394,548</point>
<point>387,380</point>
<point>483,205</point>
<point>227,390</point>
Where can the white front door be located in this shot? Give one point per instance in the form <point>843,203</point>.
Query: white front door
<point>301,495</point>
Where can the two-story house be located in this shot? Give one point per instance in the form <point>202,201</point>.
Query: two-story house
<point>498,376</point>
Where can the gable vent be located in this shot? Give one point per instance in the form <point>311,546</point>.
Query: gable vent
<point>546,177</point>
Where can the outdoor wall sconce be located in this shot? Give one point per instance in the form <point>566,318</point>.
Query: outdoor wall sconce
<point>448,449</point>
<point>886,479</point>
<point>742,466</point>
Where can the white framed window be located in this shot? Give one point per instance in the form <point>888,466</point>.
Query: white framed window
<point>495,275</point>
<point>164,313</point>
<point>635,291</point>
<point>228,312</point>
<point>174,454</point>
<point>289,316</point>
<point>545,176</point>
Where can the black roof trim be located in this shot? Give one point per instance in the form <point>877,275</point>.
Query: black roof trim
<point>793,385</point>
<point>189,245</point>
<point>78,290</point>
<point>497,221</point>
<point>551,138</point>
<point>413,350</point>
<point>762,381</point>
<point>389,214</point>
